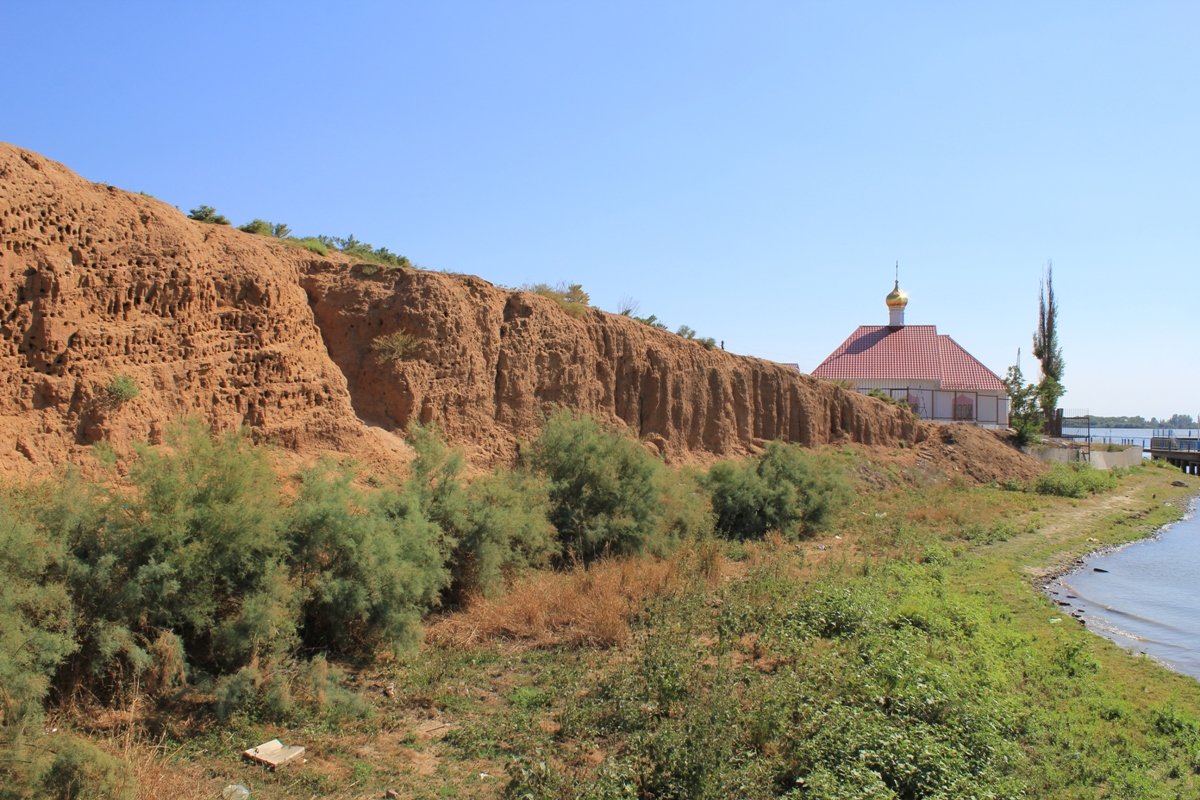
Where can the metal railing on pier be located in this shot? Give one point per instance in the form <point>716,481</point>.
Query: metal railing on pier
<point>1174,445</point>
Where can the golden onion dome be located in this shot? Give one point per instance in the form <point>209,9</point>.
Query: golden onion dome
<point>898,298</point>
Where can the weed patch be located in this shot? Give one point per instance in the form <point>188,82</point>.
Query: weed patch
<point>397,346</point>
<point>1073,480</point>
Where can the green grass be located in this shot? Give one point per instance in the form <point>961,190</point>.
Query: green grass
<point>918,660</point>
<point>312,245</point>
<point>1074,480</point>
<point>932,670</point>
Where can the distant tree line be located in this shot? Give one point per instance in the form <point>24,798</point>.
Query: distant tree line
<point>1173,421</point>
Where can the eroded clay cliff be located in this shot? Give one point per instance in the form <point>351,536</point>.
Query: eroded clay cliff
<point>101,289</point>
<point>490,363</point>
<point>99,285</point>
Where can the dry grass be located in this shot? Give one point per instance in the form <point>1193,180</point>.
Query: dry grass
<point>160,774</point>
<point>155,766</point>
<point>590,607</point>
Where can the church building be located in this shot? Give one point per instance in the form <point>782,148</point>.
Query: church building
<point>930,371</point>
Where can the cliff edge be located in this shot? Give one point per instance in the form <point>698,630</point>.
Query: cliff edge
<point>119,315</point>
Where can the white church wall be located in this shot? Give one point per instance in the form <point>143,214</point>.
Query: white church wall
<point>930,403</point>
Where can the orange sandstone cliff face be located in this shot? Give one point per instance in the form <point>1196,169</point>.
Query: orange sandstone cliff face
<point>491,363</point>
<point>97,284</point>
<point>239,330</point>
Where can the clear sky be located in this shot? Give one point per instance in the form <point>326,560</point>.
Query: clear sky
<point>750,169</point>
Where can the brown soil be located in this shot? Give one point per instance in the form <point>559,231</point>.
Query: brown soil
<point>244,330</point>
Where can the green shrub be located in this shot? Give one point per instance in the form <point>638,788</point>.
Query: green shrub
<point>880,394</point>
<point>314,245</point>
<point>508,531</point>
<point>1076,479</point>
<point>121,389</point>
<point>707,342</point>
<point>605,489</point>
<point>653,321</point>
<point>492,528</point>
<point>365,252</point>
<point>831,611</point>
<point>238,692</point>
<point>686,507</point>
<point>289,692</point>
<point>395,346</point>
<point>82,771</point>
<point>368,566</point>
<point>259,227</point>
<point>199,564</point>
<point>570,298</point>
<point>36,617</point>
<point>207,214</point>
<point>783,489</point>
<point>192,547</point>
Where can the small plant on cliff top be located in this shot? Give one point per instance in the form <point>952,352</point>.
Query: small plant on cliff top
<point>208,214</point>
<point>396,346</point>
<point>262,227</point>
<point>363,251</point>
<point>259,227</point>
<point>653,321</point>
<point>689,333</point>
<point>572,299</point>
<point>313,245</point>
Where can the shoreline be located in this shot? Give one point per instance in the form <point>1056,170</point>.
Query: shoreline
<point>1052,584</point>
<point>1055,572</point>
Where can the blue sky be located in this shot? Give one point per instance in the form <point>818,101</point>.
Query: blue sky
<point>751,169</point>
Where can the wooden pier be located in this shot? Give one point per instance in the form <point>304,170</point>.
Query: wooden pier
<point>1182,453</point>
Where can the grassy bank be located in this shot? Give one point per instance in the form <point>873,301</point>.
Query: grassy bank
<point>904,651</point>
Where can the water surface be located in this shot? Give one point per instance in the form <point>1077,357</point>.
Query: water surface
<point>1149,598</point>
<point>1140,436</point>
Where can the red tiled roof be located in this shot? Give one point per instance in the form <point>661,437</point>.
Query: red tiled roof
<point>908,353</point>
<point>877,352</point>
<point>961,370</point>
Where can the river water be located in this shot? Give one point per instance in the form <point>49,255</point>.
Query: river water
<point>1148,600</point>
<point>1140,436</point>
